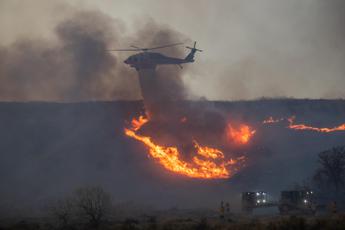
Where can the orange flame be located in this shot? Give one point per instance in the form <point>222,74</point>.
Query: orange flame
<point>294,126</point>
<point>209,162</point>
<point>242,135</point>
<point>311,128</point>
<point>136,124</point>
<point>208,152</point>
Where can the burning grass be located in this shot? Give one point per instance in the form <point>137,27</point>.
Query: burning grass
<point>303,127</point>
<point>207,163</point>
<point>240,135</point>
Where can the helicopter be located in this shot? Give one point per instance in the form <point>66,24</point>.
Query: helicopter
<point>149,60</point>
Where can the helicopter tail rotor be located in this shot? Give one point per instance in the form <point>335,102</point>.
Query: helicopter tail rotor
<point>193,48</point>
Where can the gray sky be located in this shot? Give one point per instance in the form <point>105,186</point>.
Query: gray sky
<point>252,48</point>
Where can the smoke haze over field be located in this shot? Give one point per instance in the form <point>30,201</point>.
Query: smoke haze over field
<point>53,50</point>
<point>56,51</point>
<point>76,66</point>
<point>49,149</point>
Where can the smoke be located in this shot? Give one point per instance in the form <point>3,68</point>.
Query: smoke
<point>73,64</point>
<point>77,67</point>
<point>165,83</point>
<point>255,55</point>
<point>269,48</point>
<point>252,49</point>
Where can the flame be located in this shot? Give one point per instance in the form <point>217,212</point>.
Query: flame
<point>240,135</point>
<point>291,121</point>
<point>208,152</point>
<point>208,163</point>
<point>137,123</point>
<point>292,125</point>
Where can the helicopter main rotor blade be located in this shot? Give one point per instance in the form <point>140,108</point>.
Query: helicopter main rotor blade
<point>160,47</point>
<point>136,47</point>
<point>126,50</point>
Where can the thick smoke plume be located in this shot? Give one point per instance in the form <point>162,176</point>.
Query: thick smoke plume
<point>75,68</point>
<point>165,83</point>
<point>260,48</point>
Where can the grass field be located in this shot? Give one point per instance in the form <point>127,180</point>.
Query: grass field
<point>333,222</point>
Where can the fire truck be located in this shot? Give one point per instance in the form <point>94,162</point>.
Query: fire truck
<point>291,202</point>
<point>297,202</point>
<point>253,200</point>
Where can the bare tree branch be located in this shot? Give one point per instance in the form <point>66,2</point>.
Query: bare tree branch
<point>331,173</point>
<point>94,204</point>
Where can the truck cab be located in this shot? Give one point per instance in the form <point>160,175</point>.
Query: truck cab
<point>252,200</point>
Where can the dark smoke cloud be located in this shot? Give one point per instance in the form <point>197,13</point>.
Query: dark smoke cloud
<point>252,49</point>
<point>169,78</point>
<point>77,67</point>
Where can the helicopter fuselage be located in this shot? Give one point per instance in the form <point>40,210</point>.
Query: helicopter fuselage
<point>147,60</point>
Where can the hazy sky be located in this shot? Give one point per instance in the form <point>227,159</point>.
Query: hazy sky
<point>252,48</point>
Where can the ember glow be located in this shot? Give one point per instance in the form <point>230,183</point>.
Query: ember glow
<point>240,135</point>
<point>208,163</point>
<point>271,120</point>
<point>183,120</point>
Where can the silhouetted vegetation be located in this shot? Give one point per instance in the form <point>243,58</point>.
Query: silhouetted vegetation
<point>203,225</point>
<point>330,176</point>
<point>93,204</point>
<point>63,211</point>
<point>336,222</point>
<point>88,207</point>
